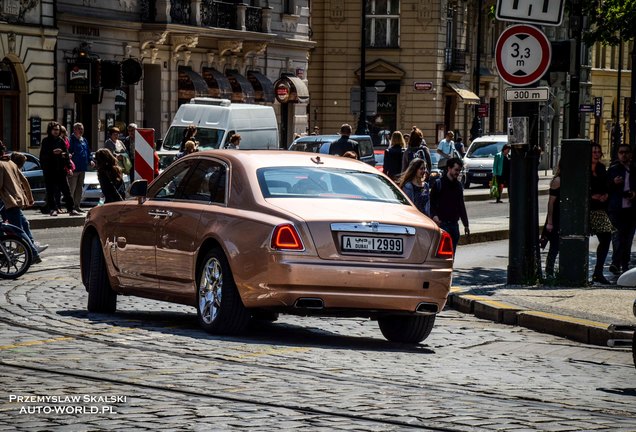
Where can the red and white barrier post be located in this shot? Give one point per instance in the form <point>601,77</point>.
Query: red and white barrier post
<point>144,154</point>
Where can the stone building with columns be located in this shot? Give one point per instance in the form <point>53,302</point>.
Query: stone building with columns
<point>168,51</point>
<point>27,63</point>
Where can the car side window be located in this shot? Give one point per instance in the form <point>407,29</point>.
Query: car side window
<point>207,183</point>
<point>170,184</point>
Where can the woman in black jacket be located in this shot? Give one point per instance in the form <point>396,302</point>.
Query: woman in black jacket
<point>600,224</point>
<point>110,176</point>
<point>56,162</point>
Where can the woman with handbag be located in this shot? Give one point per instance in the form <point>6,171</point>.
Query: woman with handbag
<point>501,170</point>
<point>600,224</point>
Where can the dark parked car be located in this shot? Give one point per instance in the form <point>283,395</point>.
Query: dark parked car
<point>32,170</point>
<point>321,144</point>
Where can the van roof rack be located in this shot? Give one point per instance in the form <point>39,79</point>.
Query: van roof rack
<point>210,101</point>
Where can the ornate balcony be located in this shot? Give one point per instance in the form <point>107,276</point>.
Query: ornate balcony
<point>207,13</point>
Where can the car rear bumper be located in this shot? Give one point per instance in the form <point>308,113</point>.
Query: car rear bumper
<point>360,287</point>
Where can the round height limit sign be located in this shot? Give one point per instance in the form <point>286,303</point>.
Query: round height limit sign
<point>523,55</point>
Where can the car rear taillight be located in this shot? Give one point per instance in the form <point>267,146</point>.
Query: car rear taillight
<point>445,247</point>
<point>285,237</point>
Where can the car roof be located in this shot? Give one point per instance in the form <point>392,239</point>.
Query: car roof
<point>492,138</point>
<point>254,159</point>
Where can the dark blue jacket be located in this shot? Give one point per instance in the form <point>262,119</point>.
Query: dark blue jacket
<point>81,153</point>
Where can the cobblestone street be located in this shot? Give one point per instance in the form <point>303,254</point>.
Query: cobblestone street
<point>149,367</point>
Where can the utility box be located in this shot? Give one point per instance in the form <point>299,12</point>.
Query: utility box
<point>518,131</point>
<point>576,156</point>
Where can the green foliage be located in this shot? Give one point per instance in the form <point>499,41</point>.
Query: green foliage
<point>610,21</point>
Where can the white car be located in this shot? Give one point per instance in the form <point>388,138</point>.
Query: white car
<point>479,159</point>
<point>92,191</point>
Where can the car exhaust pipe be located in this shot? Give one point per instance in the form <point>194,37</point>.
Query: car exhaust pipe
<point>309,303</point>
<point>426,308</point>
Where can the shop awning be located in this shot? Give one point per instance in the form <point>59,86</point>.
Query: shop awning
<point>466,95</point>
<point>291,89</point>
<point>263,87</point>
<point>200,86</point>
<point>242,90</point>
<point>218,84</point>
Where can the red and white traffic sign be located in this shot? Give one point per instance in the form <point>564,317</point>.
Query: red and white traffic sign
<point>523,55</point>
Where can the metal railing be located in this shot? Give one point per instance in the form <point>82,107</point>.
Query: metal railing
<point>455,59</point>
<point>213,13</point>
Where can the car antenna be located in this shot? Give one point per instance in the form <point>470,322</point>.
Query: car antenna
<point>317,160</point>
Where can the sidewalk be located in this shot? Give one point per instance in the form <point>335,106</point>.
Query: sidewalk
<point>596,315</point>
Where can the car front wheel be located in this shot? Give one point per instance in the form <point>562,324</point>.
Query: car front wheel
<point>219,306</point>
<point>101,297</point>
<point>406,329</point>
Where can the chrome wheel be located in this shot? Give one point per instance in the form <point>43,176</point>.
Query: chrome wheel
<point>210,290</point>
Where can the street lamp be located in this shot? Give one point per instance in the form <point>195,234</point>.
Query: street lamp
<point>362,121</point>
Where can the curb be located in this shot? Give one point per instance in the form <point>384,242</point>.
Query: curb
<point>577,329</point>
<point>61,221</point>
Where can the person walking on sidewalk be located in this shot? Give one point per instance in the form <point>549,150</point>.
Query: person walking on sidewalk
<point>622,209</point>
<point>55,161</point>
<point>413,183</point>
<point>501,169</point>
<point>553,222</point>
<point>416,148</point>
<point>393,156</point>
<point>344,143</point>
<point>81,157</point>
<point>447,201</point>
<point>600,224</point>
<point>15,194</point>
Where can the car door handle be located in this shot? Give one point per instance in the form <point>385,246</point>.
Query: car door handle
<point>160,213</point>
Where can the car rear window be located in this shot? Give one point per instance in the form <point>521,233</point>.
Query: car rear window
<point>314,182</point>
<point>485,149</point>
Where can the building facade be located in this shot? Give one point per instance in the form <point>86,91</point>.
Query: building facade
<point>27,69</point>
<point>420,59</point>
<point>135,61</point>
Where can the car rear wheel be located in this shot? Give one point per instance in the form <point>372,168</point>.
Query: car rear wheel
<point>101,297</point>
<point>406,329</point>
<point>219,306</point>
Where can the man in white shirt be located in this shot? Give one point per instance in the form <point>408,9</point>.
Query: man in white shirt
<point>446,147</point>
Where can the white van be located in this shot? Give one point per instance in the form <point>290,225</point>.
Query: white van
<point>216,121</point>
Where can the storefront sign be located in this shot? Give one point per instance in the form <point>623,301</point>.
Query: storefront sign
<point>425,86</point>
<point>35,130</point>
<point>78,77</point>
<point>482,109</point>
<point>282,91</point>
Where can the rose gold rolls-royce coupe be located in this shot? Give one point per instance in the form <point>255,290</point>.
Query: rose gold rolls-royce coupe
<point>243,235</point>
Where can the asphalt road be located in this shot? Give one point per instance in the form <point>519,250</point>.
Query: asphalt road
<point>149,367</point>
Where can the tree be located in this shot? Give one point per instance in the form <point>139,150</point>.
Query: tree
<point>612,22</point>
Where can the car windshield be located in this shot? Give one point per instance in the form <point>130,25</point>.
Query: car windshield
<point>485,149</point>
<point>313,182</point>
<point>206,137</point>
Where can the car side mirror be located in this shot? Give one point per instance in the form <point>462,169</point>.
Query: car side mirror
<point>139,189</point>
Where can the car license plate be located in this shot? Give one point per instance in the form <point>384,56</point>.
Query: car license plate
<point>379,245</point>
<point>480,174</point>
